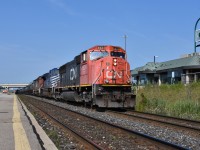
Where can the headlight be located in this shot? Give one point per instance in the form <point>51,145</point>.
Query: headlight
<point>115,60</point>
<point>115,64</point>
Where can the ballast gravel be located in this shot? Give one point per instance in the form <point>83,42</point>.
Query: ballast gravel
<point>166,134</point>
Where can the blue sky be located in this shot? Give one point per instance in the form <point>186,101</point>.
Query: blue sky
<point>38,35</point>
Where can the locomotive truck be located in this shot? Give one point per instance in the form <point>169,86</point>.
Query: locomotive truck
<point>98,76</point>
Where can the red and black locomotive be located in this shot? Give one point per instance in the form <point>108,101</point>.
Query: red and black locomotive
<point>99,76</point>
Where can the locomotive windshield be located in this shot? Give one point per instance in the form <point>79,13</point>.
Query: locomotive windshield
<point>118,54</point>
<point>98,54</point>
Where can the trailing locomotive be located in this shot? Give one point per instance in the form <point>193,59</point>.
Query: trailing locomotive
<point>99,76</point>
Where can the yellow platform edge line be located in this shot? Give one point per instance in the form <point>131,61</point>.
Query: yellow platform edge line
<point>21,140</point>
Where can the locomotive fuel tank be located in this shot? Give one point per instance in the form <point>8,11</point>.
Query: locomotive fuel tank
<point>70,96</point>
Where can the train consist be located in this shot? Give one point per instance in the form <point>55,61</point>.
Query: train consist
<point>99,76</point>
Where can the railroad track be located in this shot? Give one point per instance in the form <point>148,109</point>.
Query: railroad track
<point>177,122</point>
<point>88,144</point>
<point>125,137</point>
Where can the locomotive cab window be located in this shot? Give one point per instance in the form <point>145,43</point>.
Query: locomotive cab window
<point>118,54</point>
<point>98,54</point>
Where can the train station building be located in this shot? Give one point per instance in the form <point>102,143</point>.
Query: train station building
<point>185,70</point>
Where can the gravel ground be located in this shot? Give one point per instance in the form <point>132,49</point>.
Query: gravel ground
<point>105,136</point>
<point>61,139</point>
<point>155,131</point>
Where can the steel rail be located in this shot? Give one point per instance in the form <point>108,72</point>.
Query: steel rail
<point>156,120</point>
<point>185,121</point>
<point>189,120</point>
<point>94,145</point>
<point>126,129</point>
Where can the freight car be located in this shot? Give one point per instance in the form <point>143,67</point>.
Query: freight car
<point>98,76</point>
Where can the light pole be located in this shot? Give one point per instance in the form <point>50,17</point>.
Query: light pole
<point>195,29</point>
<point>154,59</point>
<point>125,37</point>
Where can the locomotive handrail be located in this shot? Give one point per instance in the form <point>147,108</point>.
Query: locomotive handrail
<point>96,81</point>
<point>126,72</point>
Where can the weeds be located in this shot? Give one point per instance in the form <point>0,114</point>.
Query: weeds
<point>54,137</point>
<point>174,100</point>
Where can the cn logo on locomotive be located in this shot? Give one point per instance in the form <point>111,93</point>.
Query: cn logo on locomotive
<point>73,73</point>
<point>113,74</point>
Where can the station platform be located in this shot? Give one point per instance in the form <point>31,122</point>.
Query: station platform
<point>18,128</point>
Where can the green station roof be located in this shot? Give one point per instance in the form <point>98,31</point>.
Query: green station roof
<point>191,61</point>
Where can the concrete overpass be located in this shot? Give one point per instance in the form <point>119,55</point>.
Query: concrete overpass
<point>7,86</point>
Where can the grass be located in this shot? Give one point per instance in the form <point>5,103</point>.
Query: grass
<point>54,137</point>
<point>175,100</point>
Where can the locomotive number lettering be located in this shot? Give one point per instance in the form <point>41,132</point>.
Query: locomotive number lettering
<point>73,73</point>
